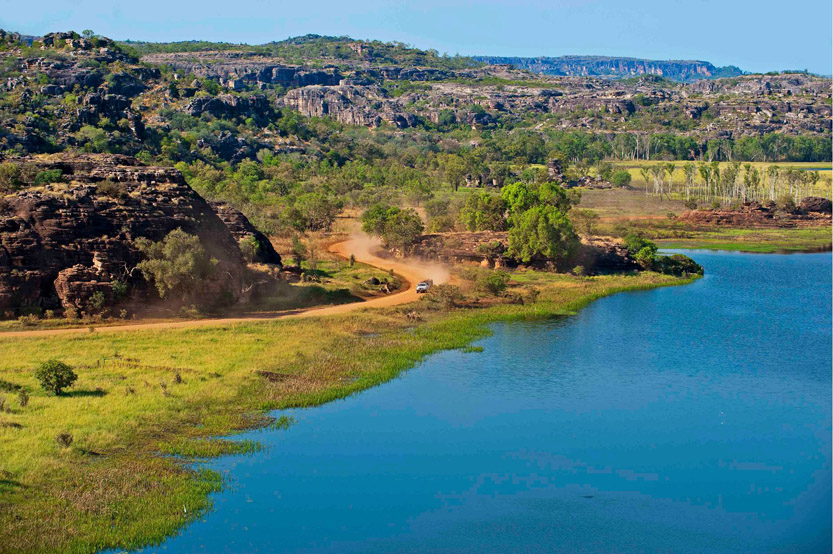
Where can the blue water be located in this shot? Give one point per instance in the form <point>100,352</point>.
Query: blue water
<point>684,419</point>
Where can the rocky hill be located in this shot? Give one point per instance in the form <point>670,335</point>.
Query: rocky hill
<point>75,235</point>
<point>617,68</point>
<point>67,92</point>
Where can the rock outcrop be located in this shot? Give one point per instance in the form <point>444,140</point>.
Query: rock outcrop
<point>488,249</point>
<point>62,243</point>
<point>241,228</point>
<point>617,68</point>
<point>812,211</point>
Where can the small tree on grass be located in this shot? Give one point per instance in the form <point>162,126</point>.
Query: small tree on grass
<point>175,264</point>
<point>55,376</point>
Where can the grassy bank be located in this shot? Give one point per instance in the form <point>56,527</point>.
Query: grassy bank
<point>144,395</point>
<point>810,239</point>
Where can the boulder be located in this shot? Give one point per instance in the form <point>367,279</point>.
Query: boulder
<point>815,204</point>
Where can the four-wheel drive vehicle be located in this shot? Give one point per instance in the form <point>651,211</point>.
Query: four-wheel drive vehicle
<point>423,286</point>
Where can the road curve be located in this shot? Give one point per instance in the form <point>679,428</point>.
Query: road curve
<point>362,248</point>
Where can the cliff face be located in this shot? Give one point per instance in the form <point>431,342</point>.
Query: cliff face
<point>61,243</point>
<point>617,68</point>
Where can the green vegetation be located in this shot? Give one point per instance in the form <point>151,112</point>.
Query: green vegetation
<point>178,264</point>
<point>55,376</point>
<point>112,487</point>
<point>397,228</point>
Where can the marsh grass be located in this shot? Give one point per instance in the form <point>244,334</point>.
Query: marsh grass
<point>126,481</point>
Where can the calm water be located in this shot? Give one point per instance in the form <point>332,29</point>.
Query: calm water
<point>688,419</point>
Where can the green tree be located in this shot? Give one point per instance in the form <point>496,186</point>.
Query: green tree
<point>175,264</point>
<point>314,211</point>
<point>402,229</point>
<point>542,231</point>
<point>55,376</point>
<point>484,212</point>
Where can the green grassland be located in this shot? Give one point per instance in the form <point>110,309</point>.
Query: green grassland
<point>145,395</point>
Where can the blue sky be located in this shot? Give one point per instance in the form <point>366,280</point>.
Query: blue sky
<point>757,35</point>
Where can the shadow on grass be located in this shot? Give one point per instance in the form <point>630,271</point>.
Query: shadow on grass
<point>85,393</point>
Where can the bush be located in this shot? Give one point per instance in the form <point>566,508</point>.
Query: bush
<point>691,205</point>
<point>621,178</point>
<point>55,376</point>
<point>111,189</point>
<point>48,176</point>
<point>10,177</point>
<point>678,264</point>
<point>634,243</point>
<point>645,257</point>
<point>250,248</point>
<point>493,282</point>
<point>579,270</point>
<point>448,296</point>
<point>176,264</point>
<point>64,440</point>
<point>23,398</point>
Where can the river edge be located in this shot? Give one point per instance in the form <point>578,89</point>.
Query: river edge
<point>474,325</point>
<point>184,489</point>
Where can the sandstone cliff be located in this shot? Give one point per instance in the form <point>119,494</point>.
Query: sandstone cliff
<point>60,243</point>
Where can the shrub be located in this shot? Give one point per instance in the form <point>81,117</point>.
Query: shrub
<point>579,270</point>
<point>645,257</point>
<point>634,243</point>
<point>111,189</point>
<point>493,282</point>
<point>97,301</point>
<point>250,247</point>
<point>690,205</point>
<point>48,176</point>
<point>23,398</point>
<point>10,177</point>
<point>447,296</point>
<point>621,178</point>
<point>119,289</point>
<point>28,320</point>
<point>55,376</point>
<point>64,440</point>
<point>176,264</point>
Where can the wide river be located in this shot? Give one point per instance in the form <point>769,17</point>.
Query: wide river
<point>683,419</point>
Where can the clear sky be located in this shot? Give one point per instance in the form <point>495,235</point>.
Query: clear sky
<point>756,35</point>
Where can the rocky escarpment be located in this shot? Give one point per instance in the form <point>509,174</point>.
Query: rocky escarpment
<point>242,229</point>
<point>811,211</point>
<point>489,249</point>
<point>61,243</point>
<point>617,68</point>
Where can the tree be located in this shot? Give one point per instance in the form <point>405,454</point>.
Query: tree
<point>403,229</point>
<point>314,211</point>
<point>9,177</point>
<point>250,247</point>
<point>483,212</point>
<point>542,231</point>
<point>175,264</point>
<point>299,250</point>
<point>397,227</point>
<point>455,170</point>
<point>584,221</point>
<point>55,376</point>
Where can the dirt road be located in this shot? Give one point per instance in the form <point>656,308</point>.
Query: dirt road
<point>362,249</point>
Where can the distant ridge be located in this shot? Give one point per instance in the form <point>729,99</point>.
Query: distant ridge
<point>684,71</point>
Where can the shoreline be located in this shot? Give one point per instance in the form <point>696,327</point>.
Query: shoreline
<point>373,360</point>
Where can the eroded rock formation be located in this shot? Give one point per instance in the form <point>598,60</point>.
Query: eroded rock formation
<point>63,242</point>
